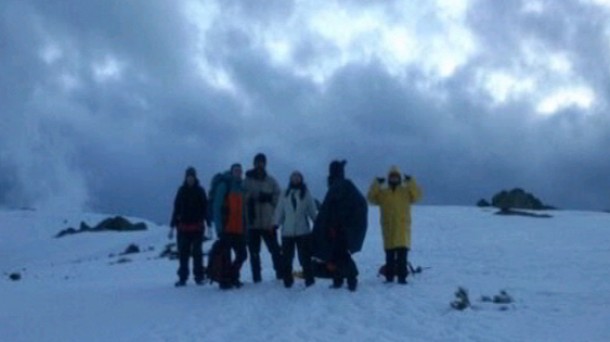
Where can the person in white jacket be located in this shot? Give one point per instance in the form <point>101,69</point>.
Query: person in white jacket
<point>294,215</point>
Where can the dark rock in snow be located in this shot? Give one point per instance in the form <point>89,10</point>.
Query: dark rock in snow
<point>117,224</point>
<point>16,276</point>
<point>483,203</point>
<point>170,252</point>
<point>502,298</point>
<point>121,261</point>
<point>461,301</point>
<point>120,224</point>
<point>67,231</point>
<point>517,199</point>
<point>131,249</point>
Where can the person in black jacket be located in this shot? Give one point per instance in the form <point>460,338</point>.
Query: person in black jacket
<point>340,227</point>
<point>189,218</point>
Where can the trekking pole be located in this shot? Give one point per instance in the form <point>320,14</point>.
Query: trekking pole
<point>417,269</point>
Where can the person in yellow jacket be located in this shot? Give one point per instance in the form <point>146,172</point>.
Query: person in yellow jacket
<point>394,200</point>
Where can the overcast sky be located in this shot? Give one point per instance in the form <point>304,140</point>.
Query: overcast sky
<point>104,103</point>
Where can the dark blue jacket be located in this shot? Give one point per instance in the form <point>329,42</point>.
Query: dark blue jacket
<point>344,211</point>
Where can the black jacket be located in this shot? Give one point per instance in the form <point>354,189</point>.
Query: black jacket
<point>190,205</point>
<point>345,211</point>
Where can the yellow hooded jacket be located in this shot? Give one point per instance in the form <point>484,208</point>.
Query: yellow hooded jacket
<point>395,205</point>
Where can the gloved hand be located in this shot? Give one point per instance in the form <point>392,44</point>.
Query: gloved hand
<point>265,197</point>
<point>380,180</point>
<point>407,178</point>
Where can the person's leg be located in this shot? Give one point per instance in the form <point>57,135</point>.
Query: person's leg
<point>346,266</point>
<point>241,254</point>
<point>390,265</point>
<point>224,259</point>
<point>254,248</point>
<point>338,258</point>
<point>288,245</point>
<point>197,250</point>
<point>351,271</point>
<point>304,248</point>
<point>401,264</point>
<point>270,238</point>
<point>184,252</point>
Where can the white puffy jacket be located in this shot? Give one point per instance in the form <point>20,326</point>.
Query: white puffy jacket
<point>294,215</point>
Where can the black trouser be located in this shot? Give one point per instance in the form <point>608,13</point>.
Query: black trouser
<point>254,247</point>
<point>303,244</point>
<point>396,263</point>
<point>346,267</point>
<point>237,244</point>
<point>189,244</point>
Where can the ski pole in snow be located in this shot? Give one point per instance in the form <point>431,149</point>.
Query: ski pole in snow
<point>415,270</point>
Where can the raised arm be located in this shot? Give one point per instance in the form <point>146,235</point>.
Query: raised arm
<point>374,194</point>
<point>413,190</point>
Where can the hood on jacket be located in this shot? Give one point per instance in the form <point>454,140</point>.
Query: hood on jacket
<point>395,170</point>
<point>336,171</point>
<point>190,172</point>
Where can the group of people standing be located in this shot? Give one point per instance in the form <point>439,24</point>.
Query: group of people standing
<point>248,212</point>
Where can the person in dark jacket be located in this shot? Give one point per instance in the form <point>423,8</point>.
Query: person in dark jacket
<point>340,227</point>
<point>262,196</point>
<point>189,218</point>
<point>230,222</point>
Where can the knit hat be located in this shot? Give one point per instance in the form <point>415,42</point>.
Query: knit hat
<point>260,157</point>
<point>336,169</point>
<point>190,171</point>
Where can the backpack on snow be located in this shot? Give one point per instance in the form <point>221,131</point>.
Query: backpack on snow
<point>219,263</point>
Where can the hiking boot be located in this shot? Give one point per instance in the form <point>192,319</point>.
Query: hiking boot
<point>180,283</point>
<point>237,284</point>
<point>256,278</point>
<point>402,281</point>
<point>309,282</point>
<point>337,283</point>
<point>199,282</point>
<point>224,285</point>
<point>288,283</point>
<point>352,284</point>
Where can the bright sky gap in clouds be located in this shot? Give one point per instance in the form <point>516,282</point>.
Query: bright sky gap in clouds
<point>117,98</point>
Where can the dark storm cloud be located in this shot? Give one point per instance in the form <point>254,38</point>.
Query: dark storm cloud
<point>124,141</point>
<point>129,139</point>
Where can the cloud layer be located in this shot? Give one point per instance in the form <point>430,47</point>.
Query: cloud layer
<point>104,103</point>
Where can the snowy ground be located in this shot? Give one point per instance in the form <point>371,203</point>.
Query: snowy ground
<point>558,271</point>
